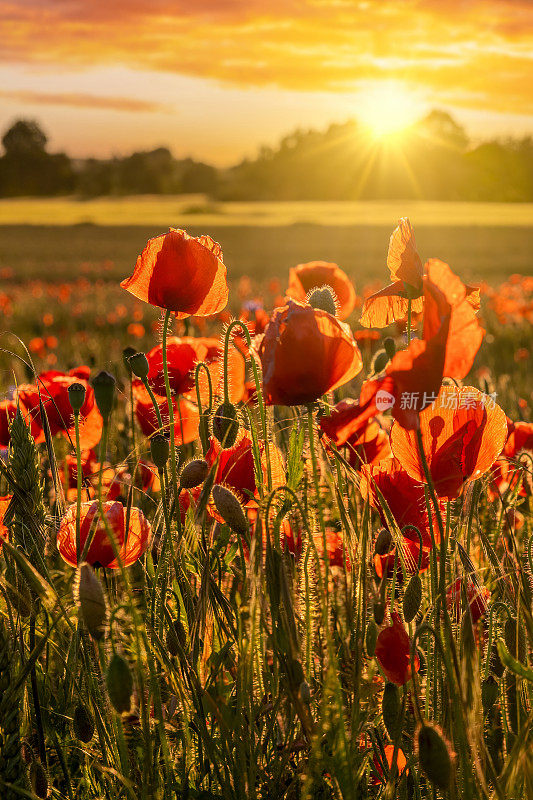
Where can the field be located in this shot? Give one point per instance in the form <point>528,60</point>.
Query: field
<point>252,579</point>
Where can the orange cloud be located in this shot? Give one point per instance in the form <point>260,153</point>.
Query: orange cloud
<point>475,53</point>
<point>81,100</point>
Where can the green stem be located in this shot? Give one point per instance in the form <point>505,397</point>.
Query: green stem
<point>260,402</point>
<point>78,486</point>
<point>409,314</point>
<point>173,461</point>
<point>314,461</point>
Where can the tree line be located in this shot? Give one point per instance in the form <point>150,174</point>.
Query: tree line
<point>433,160</point>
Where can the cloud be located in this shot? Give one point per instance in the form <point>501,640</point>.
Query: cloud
<point>81,100</point>
<point>474,52</point>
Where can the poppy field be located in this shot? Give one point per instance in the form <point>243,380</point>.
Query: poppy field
<point>265,538</point>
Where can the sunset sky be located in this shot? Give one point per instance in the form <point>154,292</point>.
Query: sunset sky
<point>217,78</point>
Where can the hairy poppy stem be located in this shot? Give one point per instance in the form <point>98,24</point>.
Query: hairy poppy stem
<point>258,389</point>
<point>314,461</point>
<point>78,486</point>
<point>173,465</point>
<point>409,313</point>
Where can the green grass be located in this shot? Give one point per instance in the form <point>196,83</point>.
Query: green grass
<point>184,210</point>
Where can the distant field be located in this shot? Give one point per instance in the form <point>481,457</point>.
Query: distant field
<point>57,253</point>
<point>185,210</point>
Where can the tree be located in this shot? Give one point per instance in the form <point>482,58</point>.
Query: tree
<point>24,137</point>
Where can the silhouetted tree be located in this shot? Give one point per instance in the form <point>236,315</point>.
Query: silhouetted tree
<point>27,169</point>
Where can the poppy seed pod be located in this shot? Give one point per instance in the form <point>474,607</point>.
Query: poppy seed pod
<point>91,600</point>
<point>226,424</point>
<point>83,723</point>
<point>76,396</point>
<point>160,450</point>
<point>139,365</point>
<point>324,298</point>
<point>104,392</point>
<point>194,473</point>
<point>230,509</point>
<point>119,683</point>
<point>434,756</point>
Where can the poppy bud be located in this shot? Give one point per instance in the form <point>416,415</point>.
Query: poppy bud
<point>324,299</point>
<point>82,723</point>
<point>305,693</point>
<point>489,693</point>
<point>371,638</point>
<point>230,509</point>
<point>119,683</point>
<point>496,666</point>
<point>38,779</point>
<point>379,611</point>
<point>412,598</point>
<point>434,756</point>
<point>126,355</point>
<point>380,361</point>
<point>76,396</point>
<point>91,600</point>
<point>139,365</point>
<point>390,347</point>
<point>194,473</point>
<point>383,542</point>
<point>226,424</point>
<point>390,708</point>
<point>160,450</point>
<point>104,392</point>
<point>516,648</point>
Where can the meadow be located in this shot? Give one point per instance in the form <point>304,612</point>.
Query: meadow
<point>228,570</point>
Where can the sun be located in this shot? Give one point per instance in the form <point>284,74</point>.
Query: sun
<point>388,108</point>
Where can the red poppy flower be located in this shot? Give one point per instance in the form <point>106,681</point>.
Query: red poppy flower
<point>350,424</point>
<point>477,597</point>
<point>370,447</point>
<point>401,761</point>
<point>8,410</point>
<point>182,357</point>
<point>462,436</point>
<point>186,417</point>
<point>451,338</point>
<point>306,277</point>
<point>69,473</point>
<point>403,494</point>
<point>305,353</point>
<point>4,503</point>
<point>391,303</point>
<point>393,649</point>
<point>506,472</point>
<point>53,391</point>
<point>131,547</point>
<point>181,273</point>
<point>347,419</point>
